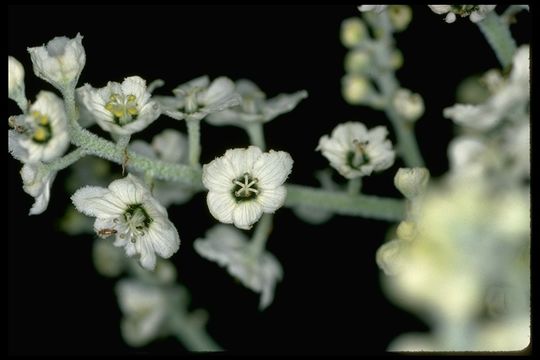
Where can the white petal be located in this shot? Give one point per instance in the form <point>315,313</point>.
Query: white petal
<point>440,9</point>
<point>282,103</point>
<point>146,249</point>
<point>129,190</point>
<point>242,160</point>
<point>221,206</point>
<point>164,238</point>
<point>171,145</point>
<point>143,148</point>
<point>218,175</point>
<point>15,147</point>
<point>246,214</point>
<point>220,89</point>
<point>92,201</point>
<point>272,169</point>
<point>272,199</point>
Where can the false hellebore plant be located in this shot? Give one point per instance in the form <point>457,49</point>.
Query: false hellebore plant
<point>245,186</point>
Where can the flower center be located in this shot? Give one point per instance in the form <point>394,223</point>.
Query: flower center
<point>133,223</point>
<point>192,105</point>
<point>464,10</point>
<point>123,108</point>
<point>42,129</point>
<point>245,188</point>
<point>359,156</point>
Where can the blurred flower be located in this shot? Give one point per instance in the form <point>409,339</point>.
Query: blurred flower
<point>254,107</point>
<point>400,16</point>
<point>122,109</point>
<point>128,211</point>
<point>16,80</point>
<point>355,152</point>
<point>60,62</point>
<point>197,98</point>
<point>145,311</point>
<point>108,259</point>
<point>245,183</point>
<point>40,135</point>
<point>356,89</point>
<point>231,249</point>
<point>353,32</point>
<point>357,61</point>
<point>409,105</point>
<point>170,146</point>
<point>376,8</point>
<point>37,182</point>
<point>514,94</point>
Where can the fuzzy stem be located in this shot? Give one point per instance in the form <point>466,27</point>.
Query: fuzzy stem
<point>66,160</point>
<point>354,186</point>
<point>499,38</point>
<point>263,230</point>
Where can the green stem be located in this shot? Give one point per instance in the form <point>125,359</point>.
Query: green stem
<point>264,227</point>
<point>122,142</point>
<point>354,186</point>
<point>367,206</point>
<point>256,134</point>
<point>66,160</point>
<point>194,338</point>
<point>388,85</point>
<point>194,137</point>
<point>499,38</point>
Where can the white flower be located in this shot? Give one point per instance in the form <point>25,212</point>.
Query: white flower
<point>145,311</point>
<point>232,250</point>
<point>254,106</point>
<point>122,109</point>
<point>60,62</point>
<point>170,146</point>
<point>354,151</point>
<point>128,211</point>
<point>41,134</point>
<point>198,98</point>
<point>409,105</point>
<point>476,12</point>
<point>37,182</point>
<point>244,183</point>
<point>15,80</point>
<point>376,8</point>
<point>511,96</point>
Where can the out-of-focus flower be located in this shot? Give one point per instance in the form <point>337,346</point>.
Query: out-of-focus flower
<point>353,32</point>
<point>356,89</point>
<point>197,98</point>
<point>409,105</point>
<point>127,210</point>
<point>231,249</point>
<point>122,109</point>
<point>60,62</point>
<point>400,16</point>
<point>40,135</point>
<point>411,182</point>
<point>254,107</point>
<point>171,146</point>
<point>245,183</point>
<point>16,81</point>
<point>376,8</point>
<point>355,151</point>
<point>357,61</point>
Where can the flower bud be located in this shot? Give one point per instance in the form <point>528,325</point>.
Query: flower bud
<point>411,181</point>
<point>406,230</point>
<point>357,61</point>
<point>355,89</point>
<point>353,31</point>
<point>409,105</point>
<point>400,16</point>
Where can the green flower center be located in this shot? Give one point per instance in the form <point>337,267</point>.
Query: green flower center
<point>359,156</point>
<point>245,188</point>
<point>134,222</point>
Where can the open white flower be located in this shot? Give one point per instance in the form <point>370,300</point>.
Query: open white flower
<point>475,12</point>
<point>41,134</point>
<point>255,107</point>
<point>16,80</point>
<point>37,182</point>
<point>231,249</point>
<point>127,210</point>
<point>245,183</point>
<point>197,98</point>
<point>171,146</point>
<point>60,62</point>
<point>354,151</point>
<point>122,109</point>
<point>145,311</point>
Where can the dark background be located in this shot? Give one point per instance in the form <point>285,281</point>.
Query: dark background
<point>329,300</point>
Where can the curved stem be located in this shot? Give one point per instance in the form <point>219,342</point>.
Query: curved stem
<point>66,160</point>
<point>499,38</point>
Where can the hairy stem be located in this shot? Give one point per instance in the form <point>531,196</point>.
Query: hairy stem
<point>66,160</point>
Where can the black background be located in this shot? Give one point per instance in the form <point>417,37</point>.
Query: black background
<point>329,300</point>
